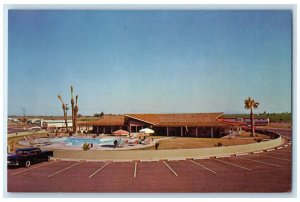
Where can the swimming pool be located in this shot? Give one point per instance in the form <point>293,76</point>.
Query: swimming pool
<point>74,141</point>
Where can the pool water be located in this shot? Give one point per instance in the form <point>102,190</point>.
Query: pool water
<point>74,141</point>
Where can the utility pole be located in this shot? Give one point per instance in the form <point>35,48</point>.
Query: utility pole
<point>24,112</point>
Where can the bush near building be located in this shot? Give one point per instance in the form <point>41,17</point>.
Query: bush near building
<point>285,117</point>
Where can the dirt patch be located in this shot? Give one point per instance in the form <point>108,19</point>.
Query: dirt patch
<point>193,143</point>
<point>278,125</point>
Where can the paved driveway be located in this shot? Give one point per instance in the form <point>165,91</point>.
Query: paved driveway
<point>263,172</point>
<point>259,172</point>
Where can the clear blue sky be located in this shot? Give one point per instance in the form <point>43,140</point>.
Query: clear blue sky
<point>149,61</point>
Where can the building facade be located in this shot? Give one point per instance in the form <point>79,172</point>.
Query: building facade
<point>182,125</point>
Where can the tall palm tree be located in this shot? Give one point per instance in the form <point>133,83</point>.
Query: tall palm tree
<point>251,104</point>
<point>65,112</point>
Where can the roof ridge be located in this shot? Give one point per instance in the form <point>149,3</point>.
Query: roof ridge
<point>173,113</point>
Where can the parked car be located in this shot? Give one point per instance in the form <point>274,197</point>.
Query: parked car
<point>36,128</point>
<point>27,156</point>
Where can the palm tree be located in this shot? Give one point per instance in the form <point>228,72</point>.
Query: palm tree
<point>65,112</point>
<point>251,104</point>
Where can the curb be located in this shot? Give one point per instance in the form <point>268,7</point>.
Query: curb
<point>200,158</point>
<point>242,154</point>
<point>177,159</point>
<point>149,160</point>
<point>222,156</point>
<point>284,145</point>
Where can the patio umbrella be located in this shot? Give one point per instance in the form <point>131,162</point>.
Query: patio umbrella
<point>120,132</point>
<point>146,130</point>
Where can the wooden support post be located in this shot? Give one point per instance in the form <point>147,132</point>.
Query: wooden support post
<point>212,132</point>
<point>181,132</point>
<point>196,131</point>
<point>167,131</point>
<point>97,129</point>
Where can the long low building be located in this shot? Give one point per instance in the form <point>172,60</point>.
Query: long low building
<point>184,125</point>
<point>55,123</point>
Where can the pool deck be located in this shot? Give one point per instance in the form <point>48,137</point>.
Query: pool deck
<point>45,143</point>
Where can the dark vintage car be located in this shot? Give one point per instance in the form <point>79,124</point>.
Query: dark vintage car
<point>27,156</point>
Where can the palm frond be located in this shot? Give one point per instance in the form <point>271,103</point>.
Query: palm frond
<point>255,105</point>
<point>248,103</point>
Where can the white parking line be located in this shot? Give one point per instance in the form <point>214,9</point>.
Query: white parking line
<point>98,170</point>
<point>65,169</point>
<point>134,173</point>
<point>272,157</point>
<point>233,164</point>
<point>260,162</point>
<point>203,166</point>
<point>170,168</point>
<point>32,168</point>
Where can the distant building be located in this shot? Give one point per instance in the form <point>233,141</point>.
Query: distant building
<point>35,121</point>
<point>13,120</point>
<point>184,125</point>
<point>56,124</point>
<point>247,121</point>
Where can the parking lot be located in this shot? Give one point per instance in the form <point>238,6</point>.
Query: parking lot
<point>269,171</point>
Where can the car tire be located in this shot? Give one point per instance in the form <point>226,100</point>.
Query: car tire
<point>48,158</point>
<point>27,164</point>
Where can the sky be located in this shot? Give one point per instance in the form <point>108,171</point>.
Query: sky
<point>140,61</point>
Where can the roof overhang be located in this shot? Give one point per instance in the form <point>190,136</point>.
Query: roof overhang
<point>138,119</point>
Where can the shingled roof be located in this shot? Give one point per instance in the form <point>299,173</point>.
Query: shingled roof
<point>106,120</point>
<point>186,119</point>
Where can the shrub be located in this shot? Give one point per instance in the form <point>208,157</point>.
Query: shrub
<point>258,139</point>
<point>85,146</point>
<point>219,144</point>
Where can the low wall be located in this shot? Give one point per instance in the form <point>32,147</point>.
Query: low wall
<point>19,134</point>
<point>169,154</point>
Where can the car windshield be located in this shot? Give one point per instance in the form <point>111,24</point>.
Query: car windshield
<point>22,152</point>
